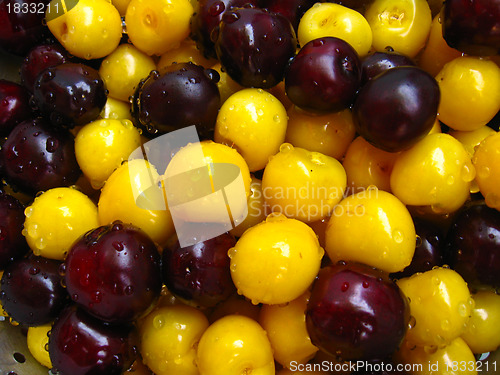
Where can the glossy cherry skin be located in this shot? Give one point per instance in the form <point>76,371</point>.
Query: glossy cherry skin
<point>200,273</point>
<point>38,59</point>
<point>36,156</point>
<point>254,46</point>
<point>113,272</point>
<point>70,94</point>
<point>324,76</point>
<point>185,94</point>
<point>473,244</point>
<point>378,62</point>
<point>472,26</point>
<point>397,108</point>
<point>80,344</point>
<point>14,106</point>
<point>12,243</point>
<point>20,31</point>
<point>207,16</point>
<point>356,312</point>
<point>293,10</point>
<point>429,250</point>
<point>32,293</point>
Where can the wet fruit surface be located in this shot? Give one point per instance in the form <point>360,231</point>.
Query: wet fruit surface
<point>473,244</point>
<point>37,157</point>
<point>324,75</point>
<point>254,45</point>
<point>397,108</point>
<point>70,94</point>
<point>184,94</point>
<point>38,59</point>
<point>208,14</point>
<point>14,106</point>
<point>12,243</point>
<point>200,273</point>
<point>355,312</point>
<point>32,292</point>
<point>81,344</point>
<point>113,272</point>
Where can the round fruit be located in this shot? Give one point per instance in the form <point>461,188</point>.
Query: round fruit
<point>396,109</point>
<point>169,339</point>
<point>38,340</point>
<point>206,18</point>
<point>101,147</point>
<point>486,160</point>
<point>56,219</point>
<point>32,293</point>
<point>70,94</point>
<point>113,272</point>
<point>156,26</point>
<point>378,62</point>
<point>123,69</point>
<point>275,261</point>
<point>254,45</point>
<point>14,106</point>
<point>37,157</point>
<point>324,76</point>
<point>444,171</point>
<point>388,240</point>
<point>128,196</point>
<point>470,92</point>
<point>356,312</point>
<point>253,122</point>
<point>199,273</point>
<point>335,20</point>
<point>12,242</point>
<point>440,304</point>
<point>235,344</point>
<point>303,185</point>
<point>473,244</point>
<point>185,94</point>
<point>80,344</point>
<point>90,29</point>
<point>400,25</point>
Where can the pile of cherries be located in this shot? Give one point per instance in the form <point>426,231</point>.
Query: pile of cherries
<point>115,274</point>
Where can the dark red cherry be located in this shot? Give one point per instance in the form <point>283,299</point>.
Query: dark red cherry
<point>38,59</point>
<point>37,157</point>
<point>14,106</point>
<point>113,272</point>
<point>356,312</point>
<point>185,94</point>
<point>80,344</point>
<point>428,251</point>
<point>206,18</point>
<point>397,108</point>
<point>200,273</point>
<point>324,76</point>
<point>12,243</point>
<point>21,25</point>
<point>378,62</point>
<point>254,46</point>
<point>472,26</point>
<point>473,244</point>
<point>70,94</point>
<point>293,10</point>
<point>32,293</point>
